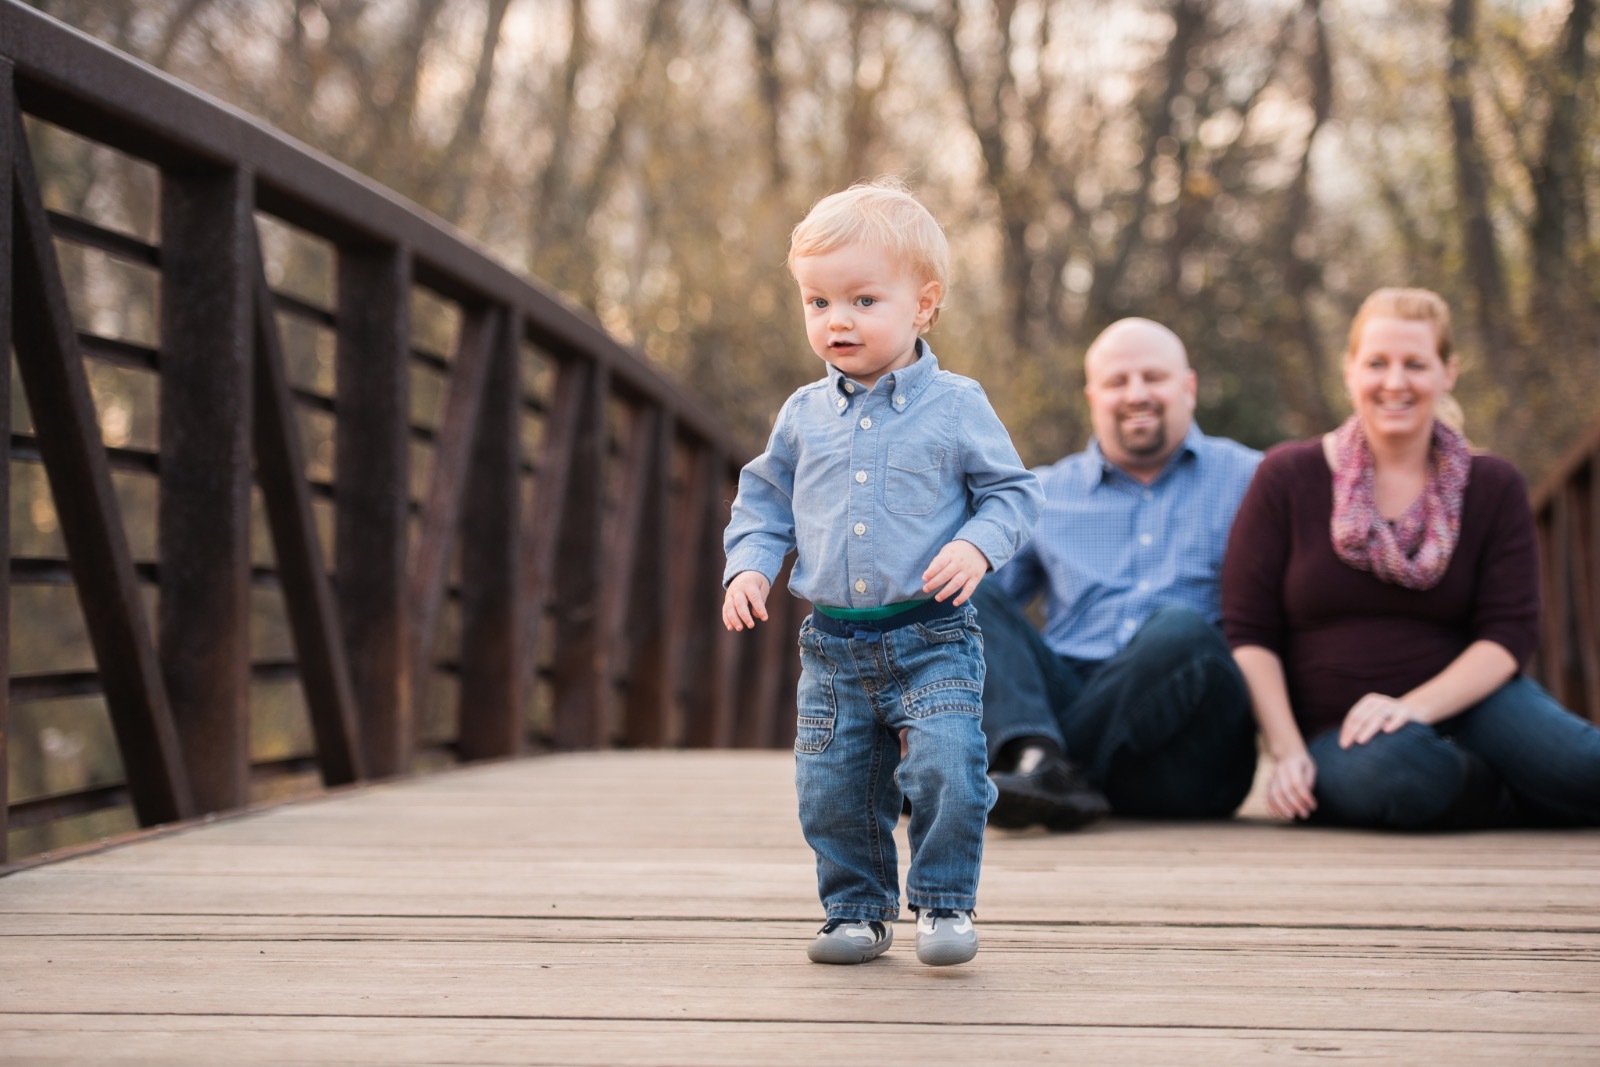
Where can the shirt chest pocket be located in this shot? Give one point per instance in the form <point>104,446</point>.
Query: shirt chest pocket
<point>912,479</point>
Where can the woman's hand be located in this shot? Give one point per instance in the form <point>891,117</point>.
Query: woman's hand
<point>1289,789</point>
<point>1374,714</point>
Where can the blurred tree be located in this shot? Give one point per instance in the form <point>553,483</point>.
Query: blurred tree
<point>1245,170</point>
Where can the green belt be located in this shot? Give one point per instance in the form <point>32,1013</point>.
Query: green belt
<point>888,611</point>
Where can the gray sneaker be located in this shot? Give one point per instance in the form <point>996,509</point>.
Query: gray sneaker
<point>945,936</point>
<point>851,941</point>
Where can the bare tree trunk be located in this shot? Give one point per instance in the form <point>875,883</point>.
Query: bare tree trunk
<point>1300,277</point>
<point>861,125</point>
<point>174,30</point>
<point>565,199</point>
<point>764,27</point>
<point>1188,25</point>
<point>456,166</point>
<point>983,93</point>
<point>1485,273</point>
<point>1557,177</point>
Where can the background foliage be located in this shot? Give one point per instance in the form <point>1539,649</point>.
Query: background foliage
<point>1244,170</point>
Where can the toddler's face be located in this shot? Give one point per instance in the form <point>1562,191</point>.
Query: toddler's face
<point>864,310</point>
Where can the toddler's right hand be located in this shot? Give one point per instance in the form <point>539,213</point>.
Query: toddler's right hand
<point>745,601</point>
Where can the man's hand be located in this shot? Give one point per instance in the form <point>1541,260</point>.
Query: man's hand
<point>745,601</point>
<point>957,569</point>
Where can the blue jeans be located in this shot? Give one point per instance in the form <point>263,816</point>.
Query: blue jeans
<point>1448,776</point>
<point>1163,728</point>
<point>856,695</point>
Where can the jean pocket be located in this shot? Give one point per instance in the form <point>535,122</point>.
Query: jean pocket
<point>950,630</point>
<point>812,736</point>
<point>818,703</point>
<point>961,696</point>
<point>911,483</point>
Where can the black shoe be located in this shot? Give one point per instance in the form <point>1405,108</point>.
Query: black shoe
<point>1054,793</point>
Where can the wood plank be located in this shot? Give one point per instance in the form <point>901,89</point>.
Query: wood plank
<point>307,592</point>
<point>450,919</point>
<point>204,506</point>
<point>493,701</point>
<point>695,1041</point>
<point>69,440</point>
<point>372,500</point>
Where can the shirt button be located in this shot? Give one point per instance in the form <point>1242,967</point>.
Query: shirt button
<point>1144,587</point>
<point>861,477</point>
<point>861,585</point>
<point>849,387</point>
<point>866,424</point>
<point>1145,539</point>
<point>900,401</point>
<point>1127,624</point>
<point>861,529</point>
<point>1148,495</point>
<point>842,403</point>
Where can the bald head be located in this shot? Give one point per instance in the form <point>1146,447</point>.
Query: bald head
<point>1141,394</point>
<point>1144,335</point>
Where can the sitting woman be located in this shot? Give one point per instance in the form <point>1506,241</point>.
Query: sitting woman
<point>1380,592</point>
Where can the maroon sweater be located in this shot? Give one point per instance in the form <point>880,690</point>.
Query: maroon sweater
<point>1342,633</point>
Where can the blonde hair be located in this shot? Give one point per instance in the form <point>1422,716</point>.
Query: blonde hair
<point>1417,305</point>
<point>882,214</point>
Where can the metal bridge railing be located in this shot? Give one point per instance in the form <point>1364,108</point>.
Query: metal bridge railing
<point>1566,509</point>
<point>534,562</point>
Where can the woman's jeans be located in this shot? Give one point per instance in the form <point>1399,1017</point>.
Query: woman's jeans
<point>1163,728</point>
<point>856,694</point>
<point>1456,775</point>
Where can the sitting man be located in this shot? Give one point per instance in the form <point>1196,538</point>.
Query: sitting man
<point>1131,678</point>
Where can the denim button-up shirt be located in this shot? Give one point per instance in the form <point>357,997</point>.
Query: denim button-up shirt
<point>1110,550</point>
<point>869,485</point>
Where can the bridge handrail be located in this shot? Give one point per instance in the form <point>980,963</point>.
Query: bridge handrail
<point>600,547</point>
<point>1566,510</point>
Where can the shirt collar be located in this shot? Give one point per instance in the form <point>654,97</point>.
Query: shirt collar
<point>902,386</point>
<point>1106,469</point>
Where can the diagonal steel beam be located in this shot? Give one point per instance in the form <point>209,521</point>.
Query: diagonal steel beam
<point>307,591</point>
<point>69,440</point>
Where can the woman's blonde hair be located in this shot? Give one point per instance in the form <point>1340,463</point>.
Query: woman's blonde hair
<point>882,214</point>
<point>1417,305</point>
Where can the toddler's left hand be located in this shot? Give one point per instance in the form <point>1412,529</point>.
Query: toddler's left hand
<point>957,569</point>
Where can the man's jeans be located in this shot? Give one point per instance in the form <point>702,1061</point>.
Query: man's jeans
<point>1419,777</point>
<point>1163,728</point>
<point>856,695</point>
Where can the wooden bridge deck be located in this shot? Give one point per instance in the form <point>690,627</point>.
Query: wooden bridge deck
<point>653,908</point>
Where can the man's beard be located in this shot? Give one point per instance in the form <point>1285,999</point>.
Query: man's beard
<point>1144,442</point>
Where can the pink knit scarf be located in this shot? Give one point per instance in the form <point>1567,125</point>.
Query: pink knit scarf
<point>1415,549</point>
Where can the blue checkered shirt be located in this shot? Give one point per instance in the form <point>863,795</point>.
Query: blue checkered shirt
<point>869,484</point>
<point>1109,550</point>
